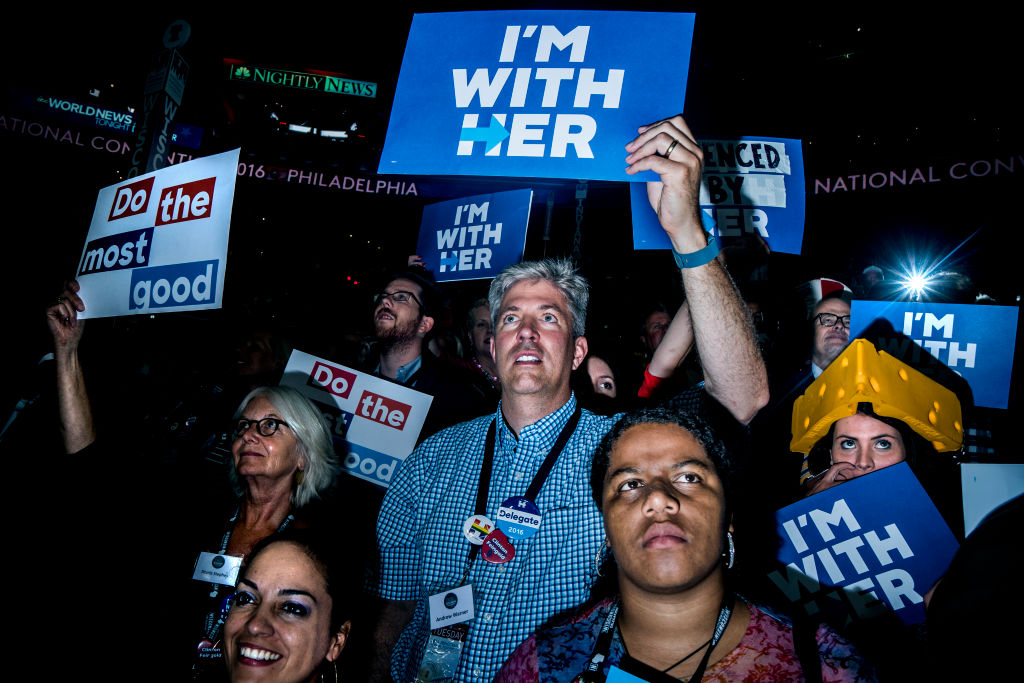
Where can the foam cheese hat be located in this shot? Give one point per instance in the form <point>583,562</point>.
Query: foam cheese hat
<point>861,374</point>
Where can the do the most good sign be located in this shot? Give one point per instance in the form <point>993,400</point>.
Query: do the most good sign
<point>551,94</point>
<point>373,421</point>
<point>158,242</point>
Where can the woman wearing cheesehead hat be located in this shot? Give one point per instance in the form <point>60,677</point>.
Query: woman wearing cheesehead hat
<point>865,412</point>
<point>868,411</point>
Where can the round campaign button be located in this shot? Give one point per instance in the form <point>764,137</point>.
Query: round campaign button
<point>519,518</point>
<point>476,528</point>
<point>497,549</point>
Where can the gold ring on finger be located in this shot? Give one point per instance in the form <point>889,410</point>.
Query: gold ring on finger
<point>671,147</point>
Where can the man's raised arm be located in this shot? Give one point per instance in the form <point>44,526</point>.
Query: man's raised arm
<point>734,371</point>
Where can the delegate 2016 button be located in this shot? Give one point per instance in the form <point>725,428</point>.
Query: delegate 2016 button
<point>518,518</point>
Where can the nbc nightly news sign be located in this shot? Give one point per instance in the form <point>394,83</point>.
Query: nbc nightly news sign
<point>549,94</point>
<point>474,237</point>
<point>750,186</point>
<point>303,80</point>
<point>976,342</point>
<point>159,241</point>
<point>374,423</point>
<point>848,552</point>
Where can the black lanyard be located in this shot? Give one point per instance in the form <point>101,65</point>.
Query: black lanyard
<point>214,620</point>
<point>483,488</point>
<point>603,646</point>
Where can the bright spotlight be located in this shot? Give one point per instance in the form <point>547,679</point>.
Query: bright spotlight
<point>917,284</point>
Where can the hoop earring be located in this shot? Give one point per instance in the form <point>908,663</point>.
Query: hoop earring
<point>600,557</point>
<point>323,679</point>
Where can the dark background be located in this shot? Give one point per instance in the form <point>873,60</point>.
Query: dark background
<point>866,91</point>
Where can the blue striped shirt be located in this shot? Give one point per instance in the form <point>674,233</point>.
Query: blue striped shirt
<point>423,550</point>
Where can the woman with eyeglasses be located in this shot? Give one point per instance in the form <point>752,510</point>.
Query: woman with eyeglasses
<point>662,480</point>
<point>288,619</point>
<point>283,460</point>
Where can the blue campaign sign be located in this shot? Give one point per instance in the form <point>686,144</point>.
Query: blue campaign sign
<point>474,237</point>
<point>750,186</point>
<point>538,93</point>
<point>977,342</point>
<point>848,552</point>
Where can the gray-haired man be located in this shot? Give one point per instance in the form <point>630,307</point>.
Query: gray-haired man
<point>462,478</point>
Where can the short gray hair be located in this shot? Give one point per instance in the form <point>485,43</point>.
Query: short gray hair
<point>561,273</point>
<point>312,436</point>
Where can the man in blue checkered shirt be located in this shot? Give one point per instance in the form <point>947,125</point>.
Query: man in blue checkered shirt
<point>539,311</point>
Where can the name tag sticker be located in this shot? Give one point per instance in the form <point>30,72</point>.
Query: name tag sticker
<point>214,568</point>
<point>451,607</point>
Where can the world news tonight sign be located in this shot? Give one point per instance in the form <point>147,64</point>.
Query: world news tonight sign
<point>750,186</point>
<point>158,242</point>
<point>550,94</point>
<point>849,553</point>
<point>374,423</point>
<point>474,237</point>
<point>976,342</point>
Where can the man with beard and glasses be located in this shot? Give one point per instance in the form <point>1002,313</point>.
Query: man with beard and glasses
<point>402,317</point>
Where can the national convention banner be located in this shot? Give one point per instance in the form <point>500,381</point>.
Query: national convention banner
<point>474,237</point>
<point>536,93</point>
<point>158,242</point>
<point>750,186</point>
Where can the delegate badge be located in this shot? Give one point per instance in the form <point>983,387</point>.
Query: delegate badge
<point>222,569</point>
<point>450,607</point>
<point>476,528</point>
<point>518,518</point>
<point>497,549</point>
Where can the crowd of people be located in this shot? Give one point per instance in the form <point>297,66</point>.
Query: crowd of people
<point>585,510</point>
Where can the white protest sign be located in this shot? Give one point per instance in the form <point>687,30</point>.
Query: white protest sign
<point>986,486</point>
<point>378,420</point>
<point>158,242</point>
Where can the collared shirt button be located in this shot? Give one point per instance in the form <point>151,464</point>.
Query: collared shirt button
<point>501,569</point>
<point>488,617</point>
<point>519,475</point>
<point>478,672</point>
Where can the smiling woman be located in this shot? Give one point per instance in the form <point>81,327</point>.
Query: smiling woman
<point>662,480</point>
<point>288,618</point>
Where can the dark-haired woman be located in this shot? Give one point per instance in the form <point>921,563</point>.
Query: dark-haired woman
<point>662,481</point>
<point>288,620</point>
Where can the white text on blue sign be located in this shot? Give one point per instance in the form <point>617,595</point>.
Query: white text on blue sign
<point>857,564</point>
<point>525,131</point>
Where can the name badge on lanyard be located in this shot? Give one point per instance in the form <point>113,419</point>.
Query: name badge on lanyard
<point>451,607</point>
<point>617,675</point>
<point>214,568</point>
